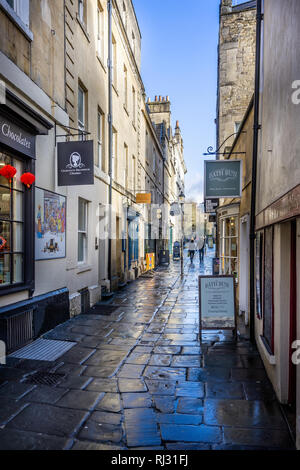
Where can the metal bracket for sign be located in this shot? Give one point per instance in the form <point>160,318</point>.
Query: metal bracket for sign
<point>216,152</point>
<point>81,132</point>
<point>234,329</point>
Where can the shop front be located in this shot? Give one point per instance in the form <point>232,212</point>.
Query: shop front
<point>19,310</point>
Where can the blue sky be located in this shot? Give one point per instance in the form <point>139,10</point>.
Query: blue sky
<point>179,59</point>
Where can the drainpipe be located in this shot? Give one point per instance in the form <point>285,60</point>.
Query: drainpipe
<point>110,171</point>
<point>256,128</point>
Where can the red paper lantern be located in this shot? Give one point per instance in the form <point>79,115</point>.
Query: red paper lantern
<point>8,172</point>
<point>28,179</point>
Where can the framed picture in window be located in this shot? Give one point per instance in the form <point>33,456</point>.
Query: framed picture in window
<point>50,225</point>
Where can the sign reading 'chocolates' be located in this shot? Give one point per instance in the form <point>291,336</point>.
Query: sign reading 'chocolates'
<point>16,138</point>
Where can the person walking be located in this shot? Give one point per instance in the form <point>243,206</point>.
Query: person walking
<point>192,249</point>
<point>201,248</point>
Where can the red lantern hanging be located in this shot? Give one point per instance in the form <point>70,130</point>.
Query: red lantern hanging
<point>8,172</point>
<point>2,243</point>
<point>28,179</point>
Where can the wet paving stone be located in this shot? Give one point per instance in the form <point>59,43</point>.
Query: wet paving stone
<point>191,433</point>
<point>224,361</point>
<point>160,360</point>
<point>110,402</point>
<point>167,350</point>
<point>138,358</point>
<point>190,389</point>
<point>157,387</point>
<point>48,419</point>
<point>248,375</point>
<point>77,355</point>
<point>143,349</point>
<point>15,390</point>
<point>9,408</point>
<point>85,445</point>
<point>257,438</point>
<point>187,446</point>
<point>177,418</point>
<point>243,413</point>
<point>164,373</point>
<point>10,373</point>
<point>141,428</point>
<point>95,430</point>
<point>69,369</point>
<point>74,382</point>
<point>259,391</point>
<point>136,400</point>
<point>103,385</point>
<point>203,375</point>
<point>44,394</point>
<point>132,385</point>
<point>80,399</point>
<point>225,390</point>
<point>193,406</point>
<point>13,439</point>
<point>186,361</point>
<point>164,404</point>
<point>131,371</point>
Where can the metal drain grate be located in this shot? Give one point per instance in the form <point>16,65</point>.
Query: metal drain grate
<point>102,309</point>
<point>44,378</point>
<point>43,350</point>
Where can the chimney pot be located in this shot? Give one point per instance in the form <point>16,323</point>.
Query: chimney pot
<point>155,98</point>
<point>159,98</point>
<point>167,98</point>
<point>177,124</point>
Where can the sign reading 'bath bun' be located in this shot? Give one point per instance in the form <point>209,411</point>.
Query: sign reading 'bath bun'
<point>75,163</point>
<point>216,302</point>
<point>222,178</point>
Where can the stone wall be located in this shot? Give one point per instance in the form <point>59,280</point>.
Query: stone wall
<point>236,68</point>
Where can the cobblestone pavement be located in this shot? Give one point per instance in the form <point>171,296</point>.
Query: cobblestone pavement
<point>139,379</point>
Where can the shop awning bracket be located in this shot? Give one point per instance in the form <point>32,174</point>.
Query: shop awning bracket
<point>81,133</point>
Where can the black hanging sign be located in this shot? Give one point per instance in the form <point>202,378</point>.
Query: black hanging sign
<point>75,163</point>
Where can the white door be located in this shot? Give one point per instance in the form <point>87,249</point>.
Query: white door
<point>244,267</point>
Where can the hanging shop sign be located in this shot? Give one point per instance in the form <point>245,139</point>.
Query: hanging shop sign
<point>75,163</point>
<point>216,303</point>
<point>222,178</point>
<point>16,138</point>
<point>211,205</point>
<point>50,225</point>
<point>143,198</point>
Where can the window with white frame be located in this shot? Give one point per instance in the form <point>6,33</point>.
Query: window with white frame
<point>21,8</point>
<point>125,87</point>
<point>114,168</point>
<point>229,245</point>
<point>114,60</point>
<point>125,167</point>
<point>133,43</point>
<point>81,108</point>
<point>100,35</point>
<point>82,230</point>
<point>81,10</point>
<point>154,160</point>
<point>133,105</point>
<point>124,15</point>
<point>100,132</point>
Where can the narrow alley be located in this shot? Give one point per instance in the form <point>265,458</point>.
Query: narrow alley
<point>137,378</point>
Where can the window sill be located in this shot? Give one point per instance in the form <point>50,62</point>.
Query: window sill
<point>101,62</point>
<point>16,20</point>
<point>268,354</point>
<point>83,27</point>
<point>82,268</point>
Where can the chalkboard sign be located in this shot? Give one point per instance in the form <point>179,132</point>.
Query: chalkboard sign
<point>216,303</point>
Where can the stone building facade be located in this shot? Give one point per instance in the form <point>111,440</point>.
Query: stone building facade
<point>236,67</point>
